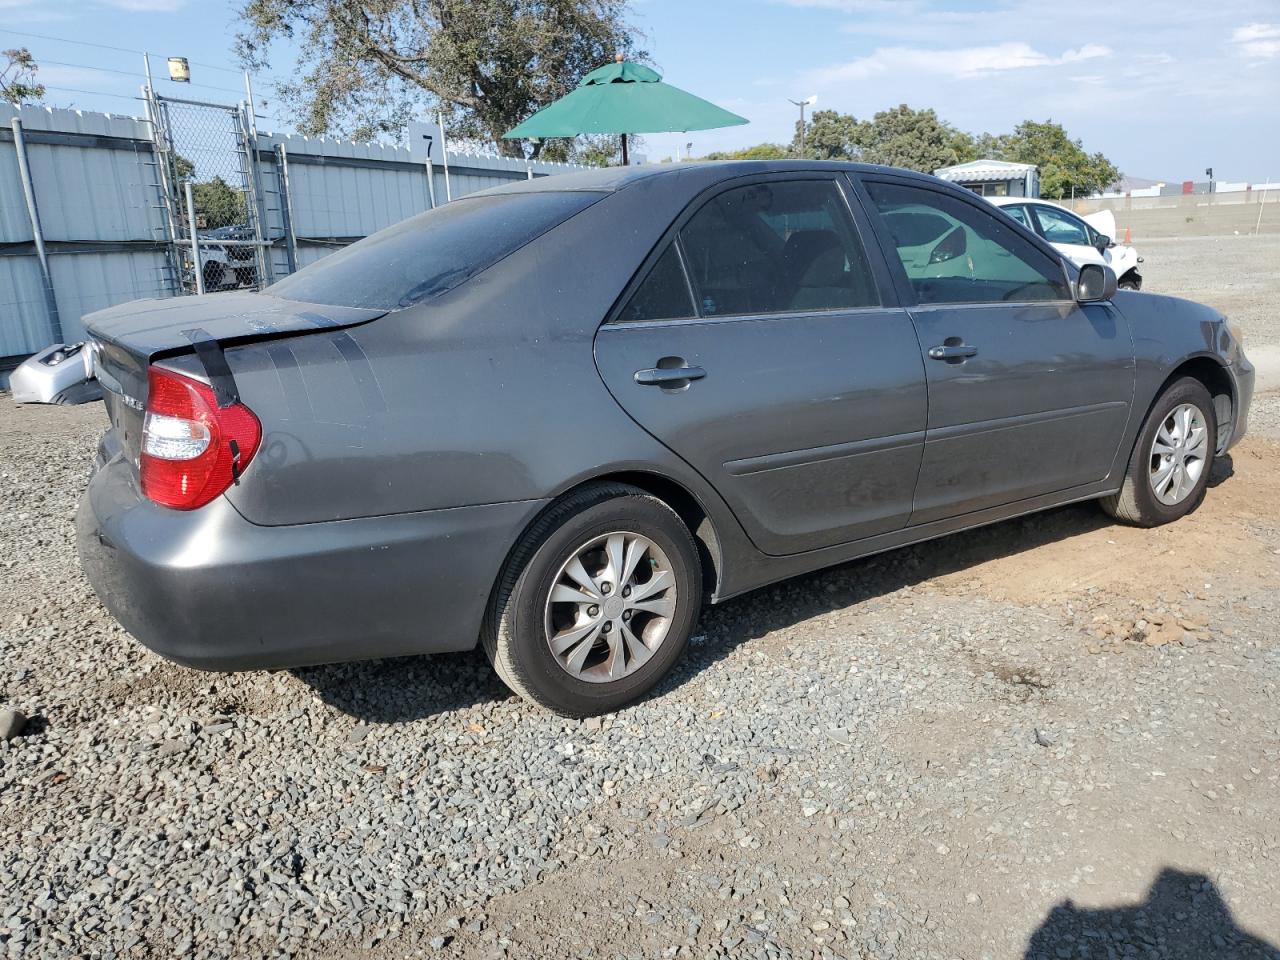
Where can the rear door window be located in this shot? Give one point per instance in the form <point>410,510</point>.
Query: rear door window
<point>776,247</point>
<point>664,294</point>
<point>432,252</point>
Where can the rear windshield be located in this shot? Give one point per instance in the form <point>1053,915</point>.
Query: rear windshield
<point>432,252</point>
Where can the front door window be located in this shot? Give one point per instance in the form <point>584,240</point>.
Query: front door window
<point>953,252</point>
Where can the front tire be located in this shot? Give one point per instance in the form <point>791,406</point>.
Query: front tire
<point>1168,471</point>
<point>596,603</point>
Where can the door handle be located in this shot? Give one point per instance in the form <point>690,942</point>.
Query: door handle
<point>668,376</point>
<point>953,352</point>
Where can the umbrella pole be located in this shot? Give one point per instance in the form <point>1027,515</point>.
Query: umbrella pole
<point>625,161</point>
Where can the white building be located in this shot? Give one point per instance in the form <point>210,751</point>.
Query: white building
<point>995,178</point>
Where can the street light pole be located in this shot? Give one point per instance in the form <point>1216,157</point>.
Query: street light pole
<point>806,102</point>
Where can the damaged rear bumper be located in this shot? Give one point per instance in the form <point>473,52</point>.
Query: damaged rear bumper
<point>209,589</point>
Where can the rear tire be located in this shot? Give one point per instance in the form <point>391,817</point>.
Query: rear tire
<point>625,573</point>
<point>1169,468</point>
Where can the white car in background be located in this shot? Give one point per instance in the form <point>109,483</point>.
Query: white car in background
<point>1088,239</point>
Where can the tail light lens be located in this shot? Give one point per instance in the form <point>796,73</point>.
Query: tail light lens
<point>192,449</point>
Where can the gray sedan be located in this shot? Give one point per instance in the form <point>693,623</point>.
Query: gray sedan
<point>555,418</point>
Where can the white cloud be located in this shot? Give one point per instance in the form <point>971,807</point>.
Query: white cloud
<point>1261,40</point>
<point>962,62</point>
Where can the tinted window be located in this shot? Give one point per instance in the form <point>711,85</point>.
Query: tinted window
<point>432,252</point>
<point>1058,226</point>
<point>976,257</point>
<point>664,295</point>
<point>776,248</point>
<point>910,228</point>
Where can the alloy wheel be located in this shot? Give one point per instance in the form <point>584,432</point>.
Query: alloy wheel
<point>1179,452</point>
<point>610,607</point>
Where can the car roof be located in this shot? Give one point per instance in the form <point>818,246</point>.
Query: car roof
<point>702,172</point>
<point>1007,201</point>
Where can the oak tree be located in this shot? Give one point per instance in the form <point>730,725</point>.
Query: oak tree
<point>369,66</point>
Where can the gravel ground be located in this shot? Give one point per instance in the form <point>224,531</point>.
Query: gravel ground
<point>1050,738</point>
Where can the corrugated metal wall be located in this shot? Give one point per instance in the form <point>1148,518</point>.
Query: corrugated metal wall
<point>102,210</point>
<point>342,191</point>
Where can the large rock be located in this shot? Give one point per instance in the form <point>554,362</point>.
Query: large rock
<point>11,723</point>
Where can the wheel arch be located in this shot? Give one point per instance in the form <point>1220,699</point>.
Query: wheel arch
<point>687,506</point>
<point>1212,373</point>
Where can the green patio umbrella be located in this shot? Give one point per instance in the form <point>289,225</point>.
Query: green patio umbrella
<point>624,97</point>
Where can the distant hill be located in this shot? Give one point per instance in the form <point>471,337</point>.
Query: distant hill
<point>1138,183</point>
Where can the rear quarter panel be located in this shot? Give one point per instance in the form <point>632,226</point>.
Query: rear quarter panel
<point>486,394</point>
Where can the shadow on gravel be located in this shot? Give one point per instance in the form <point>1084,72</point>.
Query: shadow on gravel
<point>1223,469</point>
<point>1183,918</point>
<point>726,626</point>
<point>862,582</point>
<point>405,688</point>
<point>412,688</point>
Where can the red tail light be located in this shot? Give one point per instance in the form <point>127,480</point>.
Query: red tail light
<point>192,449</point>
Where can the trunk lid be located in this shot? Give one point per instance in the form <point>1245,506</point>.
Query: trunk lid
<point>129,337</point>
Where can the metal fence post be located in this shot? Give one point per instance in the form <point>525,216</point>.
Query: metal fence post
<point>160,147</point>
<point>196,266</point>
<point>430,181</point>
<point>33,212</point>
<point>286,207</point>
<point>444,158</point>
<point>249,137</point>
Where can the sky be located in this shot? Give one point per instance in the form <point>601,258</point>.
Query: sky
<point>1164,89</point>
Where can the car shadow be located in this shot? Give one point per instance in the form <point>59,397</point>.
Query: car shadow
<point>1223,469</point>
<point>404,689</point>
<point>1183,917</point>
<point>411,688</point>
<point>728,625</point>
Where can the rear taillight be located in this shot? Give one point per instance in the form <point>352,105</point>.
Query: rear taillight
<point>192,449</point>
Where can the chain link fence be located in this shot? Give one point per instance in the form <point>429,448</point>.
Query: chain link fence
<point>205,155</point>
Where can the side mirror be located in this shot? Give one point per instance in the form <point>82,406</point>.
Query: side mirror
<point>1103,243</point>
<point>950,247</point>
<point>1095,282</point>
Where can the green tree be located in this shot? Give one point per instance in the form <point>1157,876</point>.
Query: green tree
<point>370,65</point>
<point>914,139</point>
<point>761,151</point>
<point>18,82</point>
<point>590,149</point>
<point>217,203</point>
<point>920,140</point>
<point>830,135</point>
<point>900,137</point>
<point>1065,167</point>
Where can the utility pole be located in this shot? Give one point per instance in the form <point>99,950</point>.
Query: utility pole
<point>806,102</point>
